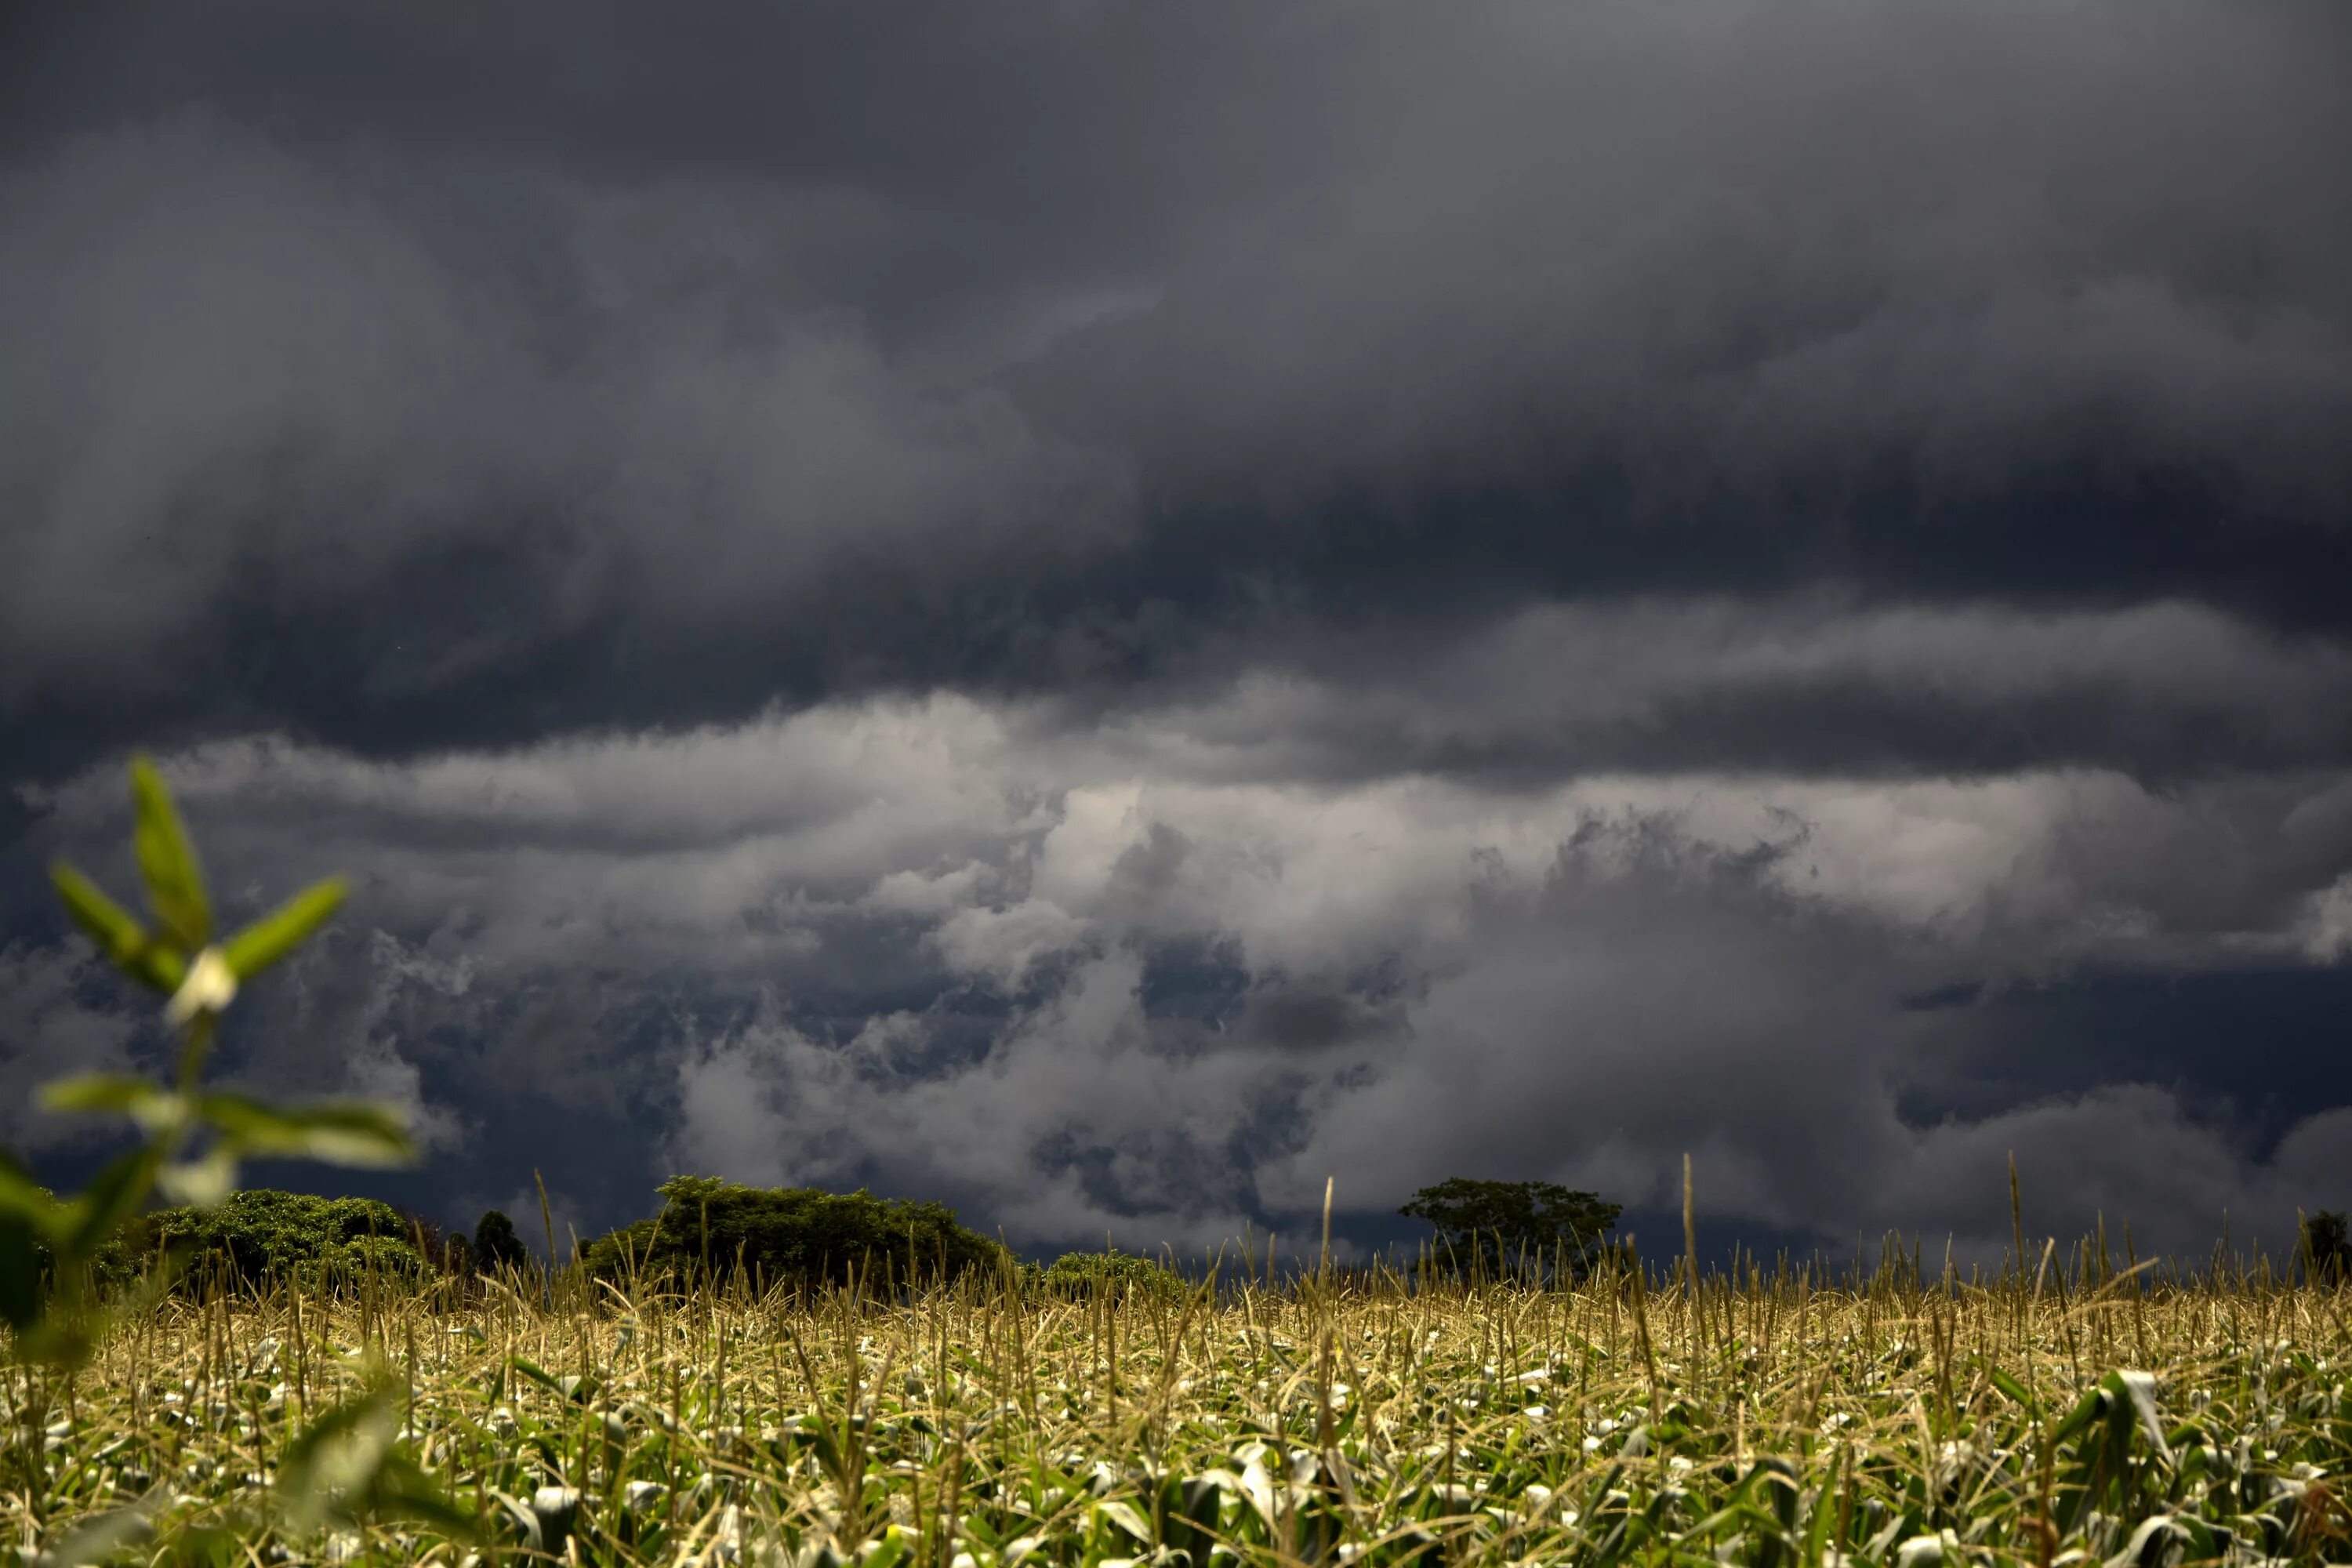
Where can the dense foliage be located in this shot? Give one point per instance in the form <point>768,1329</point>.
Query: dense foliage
<point>787,1235</point>
<point>258,1236</point>
<point>1112,1272</point>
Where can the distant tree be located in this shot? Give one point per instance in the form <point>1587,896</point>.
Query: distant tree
<point>1493,1225</point>
<point>1112,1273</point>
<point>2327,1238</point>
<point>496,1245</point>
<point>423,1234</point>
<point>785,1235</point>
<point>259,1234</point>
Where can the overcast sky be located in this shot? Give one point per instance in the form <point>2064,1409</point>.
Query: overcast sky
<point>1103,612</point>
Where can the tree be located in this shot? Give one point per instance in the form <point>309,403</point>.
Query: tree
<point>496,1245</point>
<point>1112,1273</point>
<point>785,1235</point>
<point>1492,1226</point>
<point>258,1235</point>
<point>2327,1240</point>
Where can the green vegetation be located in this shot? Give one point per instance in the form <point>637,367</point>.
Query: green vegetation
<point>258,1236</point>
<point>793,1237</point>
<point>1081,1274</point>
<point>2071,1413</point>
<point>1500,1229</point>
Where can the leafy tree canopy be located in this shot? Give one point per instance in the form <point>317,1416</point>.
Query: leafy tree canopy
<point>257,1235</point>
<point>1112,1272</point>
<point>1491,1225</point>
<point>785,1235</point>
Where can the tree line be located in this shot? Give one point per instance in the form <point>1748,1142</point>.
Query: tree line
<point>710,1230</point>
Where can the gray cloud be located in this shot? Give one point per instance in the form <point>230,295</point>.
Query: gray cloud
<point>945,947</point>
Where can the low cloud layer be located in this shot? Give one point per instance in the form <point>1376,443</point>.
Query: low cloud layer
<point>958,948</point>
<point>1107,615</point>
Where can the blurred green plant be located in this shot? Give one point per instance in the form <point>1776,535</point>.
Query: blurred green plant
<point>57,1254</point>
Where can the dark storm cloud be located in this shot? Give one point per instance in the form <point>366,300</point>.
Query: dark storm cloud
<point>413,383</point>
<point>1106,612</point>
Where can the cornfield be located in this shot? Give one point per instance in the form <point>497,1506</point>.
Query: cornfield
<point>1777,1417</point>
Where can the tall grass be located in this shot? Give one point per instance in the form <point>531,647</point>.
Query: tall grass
<point>2069,1411</point>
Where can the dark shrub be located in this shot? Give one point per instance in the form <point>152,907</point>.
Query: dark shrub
<point>497,1247</point>
<point>2328,1244</point>
<point>790,1236</point>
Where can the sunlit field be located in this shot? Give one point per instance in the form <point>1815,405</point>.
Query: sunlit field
<point>2078,1412</point>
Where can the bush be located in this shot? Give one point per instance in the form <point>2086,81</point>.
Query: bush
<point>790,1236</point>
<point>258,1236</point>
<point>1112,1273</point>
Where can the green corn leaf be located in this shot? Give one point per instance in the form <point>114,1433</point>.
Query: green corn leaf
<point>200,1183</point>
<point>332,1465</point>
<point>2014,1389</point>
<point>342,1133</point>
<point>175,886</point>
<point>118,934</point>
<point>271,938</point>
<point>2139,1389</point>
<point>344,1467</point>
<point>403,1491</point>
<point>1125,1515</point>
<point>20,1195</point>
<point>129,945</point>
<point>1817,1524</point>
<point>150,1104</point>
<point>113,1196</point>
<point>94,1540</point>
<point>536,1373</point>
<point>894,1549</point>
<point>2087,1410</point>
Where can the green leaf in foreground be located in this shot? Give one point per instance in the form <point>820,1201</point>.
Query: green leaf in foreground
<point>2014,1389</point>
<point>272,937</point>
<point>119,936</point>
<point>175,886</point>
<point>342,1133</point>
<point>149,1103</point>
<point>344,1468</point>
